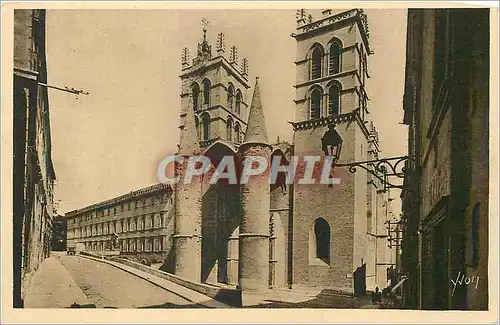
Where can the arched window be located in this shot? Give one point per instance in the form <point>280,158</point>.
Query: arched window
<point>205,121</point>
<point>198,129</point>
<point>230,95</point>
<point>334,100</point>
<point>206,92</point>
<point>334,57</point>
<point>196,95</point>
<point>316,59</point>
<point>229,128</point>
<point>315,103</point>
<point>322,236</point>
<point>237,131</point>
<point>239,99</point>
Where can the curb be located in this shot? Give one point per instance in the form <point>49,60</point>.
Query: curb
<point>148,279</point>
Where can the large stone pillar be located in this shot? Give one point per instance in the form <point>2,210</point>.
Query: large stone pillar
<point>254,225</point>
<point>187,238</point>
<point>187,205</point>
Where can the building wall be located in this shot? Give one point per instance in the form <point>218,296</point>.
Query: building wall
<point>34,175</point>
<point>314,201</point>
<point>479,125</point>
<point>448,123</point>
<point>142,221</point>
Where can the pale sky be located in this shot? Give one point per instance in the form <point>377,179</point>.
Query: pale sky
<point>111,141</point>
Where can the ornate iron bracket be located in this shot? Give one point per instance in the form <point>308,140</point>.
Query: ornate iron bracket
<point>383,169</point>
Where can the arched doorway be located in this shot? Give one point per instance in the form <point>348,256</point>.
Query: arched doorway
<point>219,220</point>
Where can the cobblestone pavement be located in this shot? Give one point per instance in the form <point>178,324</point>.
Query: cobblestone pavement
<point>108,287</point>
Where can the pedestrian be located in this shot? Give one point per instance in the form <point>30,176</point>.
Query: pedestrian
<point>378,295</point>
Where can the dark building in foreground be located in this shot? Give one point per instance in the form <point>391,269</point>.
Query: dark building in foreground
<point>59,230</point>
<point>33,175</point>
<point>445,202</point>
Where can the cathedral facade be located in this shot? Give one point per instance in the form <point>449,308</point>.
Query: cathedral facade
<point>261,235</point>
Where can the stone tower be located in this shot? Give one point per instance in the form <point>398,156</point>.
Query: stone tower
<point>214,85</point>
<point>255,204</point>
<point>331,221</point>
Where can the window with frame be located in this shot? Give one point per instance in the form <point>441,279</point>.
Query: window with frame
<point>229,128</point>
<point>237,132</point>
<point>334,57</point>
<point>140,244</point>
<point>206,92</point>
<point>315,103</point>
<point>132,245</point>
<point>206,126</point>
<point>322,236</point>
<point>239,99</point>
<point>196,94</point>
<point>442,45</point>
<point>334,100</point>
<point>230,95</point>
<point>316,64</point>
<point>157,223</point>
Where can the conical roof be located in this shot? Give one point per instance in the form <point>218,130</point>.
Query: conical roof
<point>189,143</point>
<point>256,128</point>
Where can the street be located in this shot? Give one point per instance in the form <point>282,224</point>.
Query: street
<point>108,287</point>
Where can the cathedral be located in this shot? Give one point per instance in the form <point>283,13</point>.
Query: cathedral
<point>261,236</point>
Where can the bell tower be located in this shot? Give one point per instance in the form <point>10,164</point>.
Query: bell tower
<point>214,85</point>
<point>331,221</point>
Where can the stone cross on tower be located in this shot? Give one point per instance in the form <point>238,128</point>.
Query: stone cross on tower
<point>204,49</point>
<point>204,24</point>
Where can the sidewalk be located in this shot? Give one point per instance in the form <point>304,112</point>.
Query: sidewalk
<point>53,287</point>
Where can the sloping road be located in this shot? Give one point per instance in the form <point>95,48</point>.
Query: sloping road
<point>109,287</point>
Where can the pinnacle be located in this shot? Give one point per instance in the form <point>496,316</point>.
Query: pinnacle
<point>256,129</point>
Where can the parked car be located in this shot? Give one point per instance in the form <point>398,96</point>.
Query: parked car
<point>71,250</point>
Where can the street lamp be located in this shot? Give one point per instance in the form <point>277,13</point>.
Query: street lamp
<point>332,143</point>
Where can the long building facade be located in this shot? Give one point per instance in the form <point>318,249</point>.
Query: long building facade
<point>33,175</point>
<point>137,224</point>
<point>445,202</point>
<point>257,235</point>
